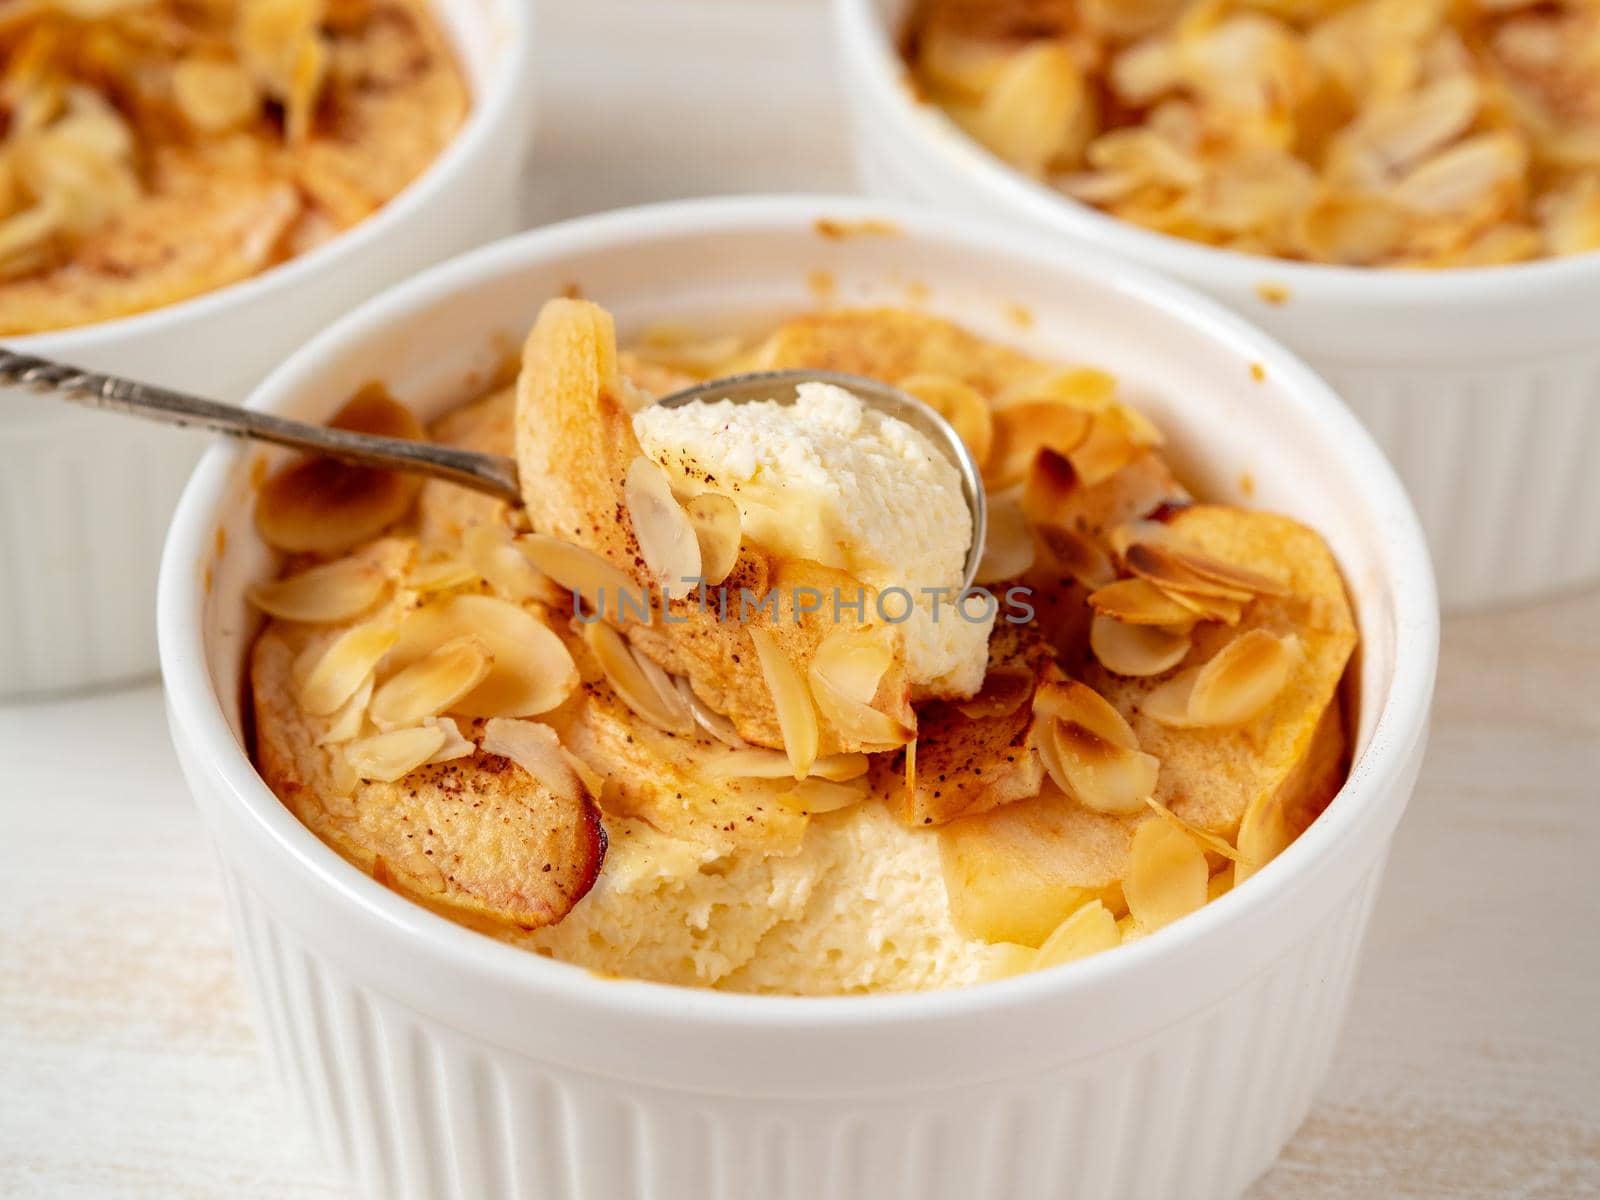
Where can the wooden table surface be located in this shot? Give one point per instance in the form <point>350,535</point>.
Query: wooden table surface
<point>1470,1064</point>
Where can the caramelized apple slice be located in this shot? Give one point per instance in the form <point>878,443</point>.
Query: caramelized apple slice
<point>1015,873</point>
<point>322,506</point>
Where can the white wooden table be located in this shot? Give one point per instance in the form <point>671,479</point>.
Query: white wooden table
<point>1470,1065</point>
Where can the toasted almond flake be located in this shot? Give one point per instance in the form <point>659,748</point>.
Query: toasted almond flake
<point>1090,929</point>
<point>813,796</point>
<point>351,717</point>
<point>532,670</point>
<point>1243,678</point>
<point>1205,837</point>
<point>791,700</point>
<point>1022,430</point>
<point>1136,650</point>
<point>1167,875</point>
<point>759,763</point>
<point>537,750</point>
<point>844,675</point>
<point>333,592</point>
<point>493,556</point>
<point>1004,690</point>
<point>581,571</point>
<point>1154,533</point>
<point>593,780</point>
<point>1100,773</point>
<point>1140,602</point>
<point>1168,702</point>
<point>959,403</point>
<point>1008,547</point>
<point>440,575</point>
<point>667,538</point>
<point>1085,389</point>
<point>432,684</point>
<point>349,659</point>
<point>629,681</point>
<point>385,757</point>
<point>1085,560</point>
<point>456,745</point>
<point>1051,481</point>
<point>344,780</point>
<point>1206,608</point>
<point>713,722</point>
<point>1071,700</point>
<point>718,529</point>
<point>1263,834</point>
<point>1110,445</point>
<point>1164,566</point>
<point>1221,883</point>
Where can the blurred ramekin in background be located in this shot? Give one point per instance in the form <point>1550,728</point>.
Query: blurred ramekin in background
<point>85,497</point>
<point>429,1060</point>
<point>1481,385</point>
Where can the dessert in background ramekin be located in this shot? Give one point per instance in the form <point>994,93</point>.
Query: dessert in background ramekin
<point>1478,381</point>
<point>428,1058</point>
<point>87,497</point>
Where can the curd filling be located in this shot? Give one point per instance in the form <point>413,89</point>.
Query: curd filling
<point>829,479</point>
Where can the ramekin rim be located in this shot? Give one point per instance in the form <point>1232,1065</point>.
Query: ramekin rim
<point>863,35</point>
<point>193,705</point>
<point>504,84</point>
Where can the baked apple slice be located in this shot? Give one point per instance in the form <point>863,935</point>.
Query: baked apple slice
<point>476,838</point>
<point>575,449</point>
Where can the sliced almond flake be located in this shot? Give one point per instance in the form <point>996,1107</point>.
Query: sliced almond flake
<point>1071,700</point>
<point>1243,678</point>
<point>1101,774</point>
<point>718,529</point>
<point>532,670</point>
<point>1022,430</point>
<point>440,575</point>
<point>1008,548</point>
<point>581,571</point>
<point>455,744</point>
<point>349,659</point>
<point>1163,566</point>
<point>853,662</point>
<point>337,591</point>
<point>432,684</point>
<point>663,683</point>
<point>1233,582</point>
<point>1140,602</point>
<point>351,717</point>
<point>959,403</point>
<point>760,763</point>
<point>1004,690</point>
<point>592,779</point>
<point>1088,930</point>
<point>667,540</point>
<point>1109,446</point>
<point>1168,702</point>
<point>1153,533</point>
<point>629,681</point>
<point>1263,834</point>
<point>713,722</point>
<point>385,757</point>
<point>1205,837</point>
<point>344,780</point>
<point>493,556</point>
<point>1085,389</point>
<point>1137,651</point>
<point>1206,608</point>
<point>1221,883</point>
<point>1050,485</point>
<point>814,796</point>
<point>1167,875</point>
<point>791,700</point>
<point>535,748</point>
<point>1080,557</point>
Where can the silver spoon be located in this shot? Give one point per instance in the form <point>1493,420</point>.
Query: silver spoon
<point>491,473</point>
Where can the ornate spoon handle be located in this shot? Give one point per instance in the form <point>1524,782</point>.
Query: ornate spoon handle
<point>490,473</point>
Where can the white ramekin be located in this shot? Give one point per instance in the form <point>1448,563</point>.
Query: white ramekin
<point>1481,385</point>
<point>433,1061</point>
<point>85,497</point>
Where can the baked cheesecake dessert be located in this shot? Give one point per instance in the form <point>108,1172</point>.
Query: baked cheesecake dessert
<point>711,708</point>
<point>155,150</point>
<point>1356,132</point>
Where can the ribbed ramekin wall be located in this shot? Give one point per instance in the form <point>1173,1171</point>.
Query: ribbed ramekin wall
<point>405,1107</point>
<point>84,505</point>
<point>1500,463</point>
